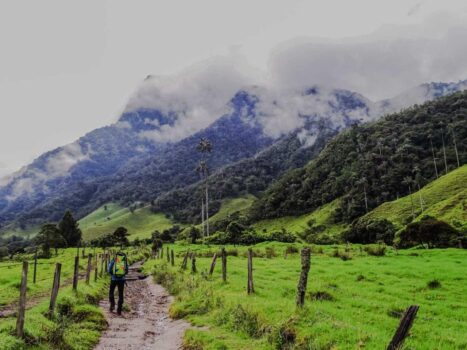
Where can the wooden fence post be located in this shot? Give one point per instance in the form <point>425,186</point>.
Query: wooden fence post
<point>224,265</point>
<point>88,269</point>
<point>168,254</point>
<point>102,265</point>
<point>213,264</point>
<point>404,327</point>
<point>55,287</point>
<point>185,259</point>
<point>22,301</point>
<point>95,274</point>
<point>75,273</point>
<point>161,252</point>
<point>250,288</point>
<point>193,263</point>
<point>302,283</point>
<point>172,257</point>
<point>35,267</point>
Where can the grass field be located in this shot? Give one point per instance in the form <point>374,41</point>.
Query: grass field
<point>10,275</point>
<point>78,321</point>
<point>444,198</point>
<point>296,224</point>
<point>351,304</point>
<point>140,224</point>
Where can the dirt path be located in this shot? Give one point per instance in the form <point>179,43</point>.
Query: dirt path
<point>147,325</point>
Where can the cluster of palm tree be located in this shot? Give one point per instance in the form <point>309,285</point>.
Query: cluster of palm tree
<point>204,147</point>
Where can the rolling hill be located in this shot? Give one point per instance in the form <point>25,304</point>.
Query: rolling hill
<point>140,223</point>
<point>444,198</point>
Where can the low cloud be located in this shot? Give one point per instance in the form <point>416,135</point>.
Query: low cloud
<point>379,65</point>
<point>195,97</point>
<point>56,165</point>
<point>393,60</point>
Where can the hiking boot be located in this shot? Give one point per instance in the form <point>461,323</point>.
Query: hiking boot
<point>112,308</point>
<point>119,312</point>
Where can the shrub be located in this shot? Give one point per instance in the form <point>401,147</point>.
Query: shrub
<point>368,231</point>
<point>291,249</point>
<point>270,252</point>
<point>375,250</point>
<point>246,321</point>
<point>434,284</point>
<point>429,231</point>
<point>336,253</point>
<point>321,295</point>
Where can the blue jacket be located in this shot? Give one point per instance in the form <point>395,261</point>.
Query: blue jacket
<point>110,271</point>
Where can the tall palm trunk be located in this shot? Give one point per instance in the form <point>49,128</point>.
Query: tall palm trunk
<point>207,208</point>
<point>444,153</point>
<point>455,147</point>
<point>202,216</point>
<point>434,159</point>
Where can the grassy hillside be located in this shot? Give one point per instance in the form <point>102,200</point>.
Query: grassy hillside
<point>297,224</point>
<point>233,205</point>
<point>444,198</point>
<point>140,224</point>
<point>352,304</point>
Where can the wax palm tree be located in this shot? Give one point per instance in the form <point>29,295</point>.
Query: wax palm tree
<point>205,147</point>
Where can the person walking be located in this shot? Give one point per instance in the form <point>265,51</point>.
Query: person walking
<point>118,269</point>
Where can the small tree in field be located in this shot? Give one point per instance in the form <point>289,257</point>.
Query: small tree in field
<point>49,237</point>
<point>69,229</point>
<point>121,236</point>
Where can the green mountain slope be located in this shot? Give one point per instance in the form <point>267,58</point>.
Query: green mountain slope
<point>444,198</point>
<point>140,224</point>
<point>297,224</point>
<point>373,163</point>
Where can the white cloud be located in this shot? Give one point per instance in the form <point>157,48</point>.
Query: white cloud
<point>64,160</point>
<point>196,96</point>
<point>281,110</point>
<point>379,65</point>
<point>28,178</point>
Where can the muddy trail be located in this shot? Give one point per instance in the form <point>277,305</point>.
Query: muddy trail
<point>147,324</point>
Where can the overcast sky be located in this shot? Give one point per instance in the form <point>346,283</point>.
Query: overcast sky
<point>69,67</point>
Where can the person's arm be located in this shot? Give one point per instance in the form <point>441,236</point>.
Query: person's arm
<point>110,267</point>
<point>126,266</point>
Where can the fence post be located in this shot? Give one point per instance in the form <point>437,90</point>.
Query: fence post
<point>162,253</point>
<point>35,267</point>
<point>301,288</point>
<point>22,301</point>
<point>172,257</point>
<point>193,263</point>
<point>75,273</point>
<point>250,288</point>
<point>102,265</point>
<point>95,274</point>
<point>88,269</point>
<point>185,259</point>
<point>213,264</point>
<point>168,254</point>
<point>55,287</point>
<point>224,265</point>
<point>404,327</point>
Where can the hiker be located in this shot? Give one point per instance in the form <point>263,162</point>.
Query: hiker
<point>118,268</point>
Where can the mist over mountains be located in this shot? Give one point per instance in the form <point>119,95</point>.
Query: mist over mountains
<point>151,148</point>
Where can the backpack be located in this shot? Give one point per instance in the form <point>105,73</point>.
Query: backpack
<point>119,268</point>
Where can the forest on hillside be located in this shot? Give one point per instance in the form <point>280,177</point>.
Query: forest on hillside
<point>375,162</point>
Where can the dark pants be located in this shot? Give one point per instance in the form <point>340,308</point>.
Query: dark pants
<point>120,285</point>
